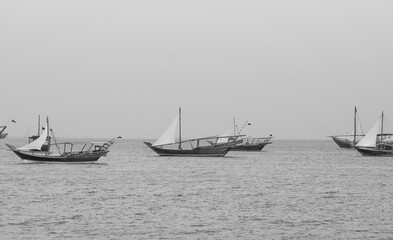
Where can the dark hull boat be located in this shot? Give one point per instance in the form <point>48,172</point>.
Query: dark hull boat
<point>39,150</point>
<point>205,151</point>
<point>171,144</point>
<point>343,142</point>
<point>41,156</point>
<point>251,148</point>
<point>376,142</point>
<point>375,152</point>
<point>249,144</point>
<point>349,141</point>
<point>252,144</point>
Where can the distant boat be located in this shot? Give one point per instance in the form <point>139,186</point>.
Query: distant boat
<point>376,142</point>
<point>349,140</point>
<point>66,152</point>
<point>172,144</point>
<point>2,129</point>
<point>2,133</point>
<point>250,144</point>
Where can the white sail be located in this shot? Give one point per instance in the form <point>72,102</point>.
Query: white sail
<point>37,144</point>
<point>170,134</point>
<point>370,140</point>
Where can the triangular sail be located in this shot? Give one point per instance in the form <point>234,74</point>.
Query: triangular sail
<point>37,144</point>
<point>170,134</point>
<point>370,140</point>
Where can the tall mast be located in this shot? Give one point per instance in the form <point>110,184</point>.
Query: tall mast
<point>382,126</point>
<point>47,121</point>
<point>39,130</point>
<point>354,128</point>
<point>234,127</point>
<point>48,132</point>
<point>179,127</point>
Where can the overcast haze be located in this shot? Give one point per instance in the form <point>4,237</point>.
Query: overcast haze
<point>294,69</point>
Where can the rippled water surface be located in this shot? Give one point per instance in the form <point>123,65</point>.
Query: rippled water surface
<point>290,190</point>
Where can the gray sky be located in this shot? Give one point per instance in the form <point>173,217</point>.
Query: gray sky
<point>101,68</point>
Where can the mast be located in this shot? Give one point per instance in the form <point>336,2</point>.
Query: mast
<point>39,130</point>
<point>354,128</point>
<point>47,121</point>
<point>179,127</point>
<point>382,126</point>
<point>54,139</point>
<point>381,136</point>
<point>234,127</point>
<point>48,132</point>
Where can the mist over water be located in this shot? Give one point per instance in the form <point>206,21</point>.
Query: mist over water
<point>292,189</point>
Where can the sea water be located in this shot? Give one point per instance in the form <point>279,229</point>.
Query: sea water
<point>290,190</point>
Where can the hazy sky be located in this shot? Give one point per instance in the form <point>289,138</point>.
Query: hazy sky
<point>101,68</point>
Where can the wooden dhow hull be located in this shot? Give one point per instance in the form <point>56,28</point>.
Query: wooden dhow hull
<point>249,148</point>
<point>343,143</point>
<point>39,156</point>
<point>374,152</point>
<point>349,140</point>
<point>207,151</point>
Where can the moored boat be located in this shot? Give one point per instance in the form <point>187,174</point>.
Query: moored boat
<point>344,141</point>
<point>350,140</point>
<point>67,152</point>
<point>249,144</point>
<point>2,133</point>
<point>376,142</point>
<point>2,129</point>
<point>172,144</point>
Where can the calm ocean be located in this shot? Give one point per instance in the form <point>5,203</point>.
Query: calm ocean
<point>290,190</point>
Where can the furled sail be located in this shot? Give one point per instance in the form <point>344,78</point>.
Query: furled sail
<point>170,134</point>
<point>370,140</point>
<point>37,144</point>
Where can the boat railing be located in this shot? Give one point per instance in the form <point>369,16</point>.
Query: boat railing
<point>225,140</point>
<point>204,142</point>
<point>348,135</point>
<point>80,147</point>
<point>256,141</point>
<point>385,138</point>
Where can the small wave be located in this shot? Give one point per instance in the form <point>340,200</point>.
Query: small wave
<point>330,196</point>
<point>331,192</point>
<point>60,222</point>
<point>140,214</point>
<point>78,216</point>
<point>24,223</point>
